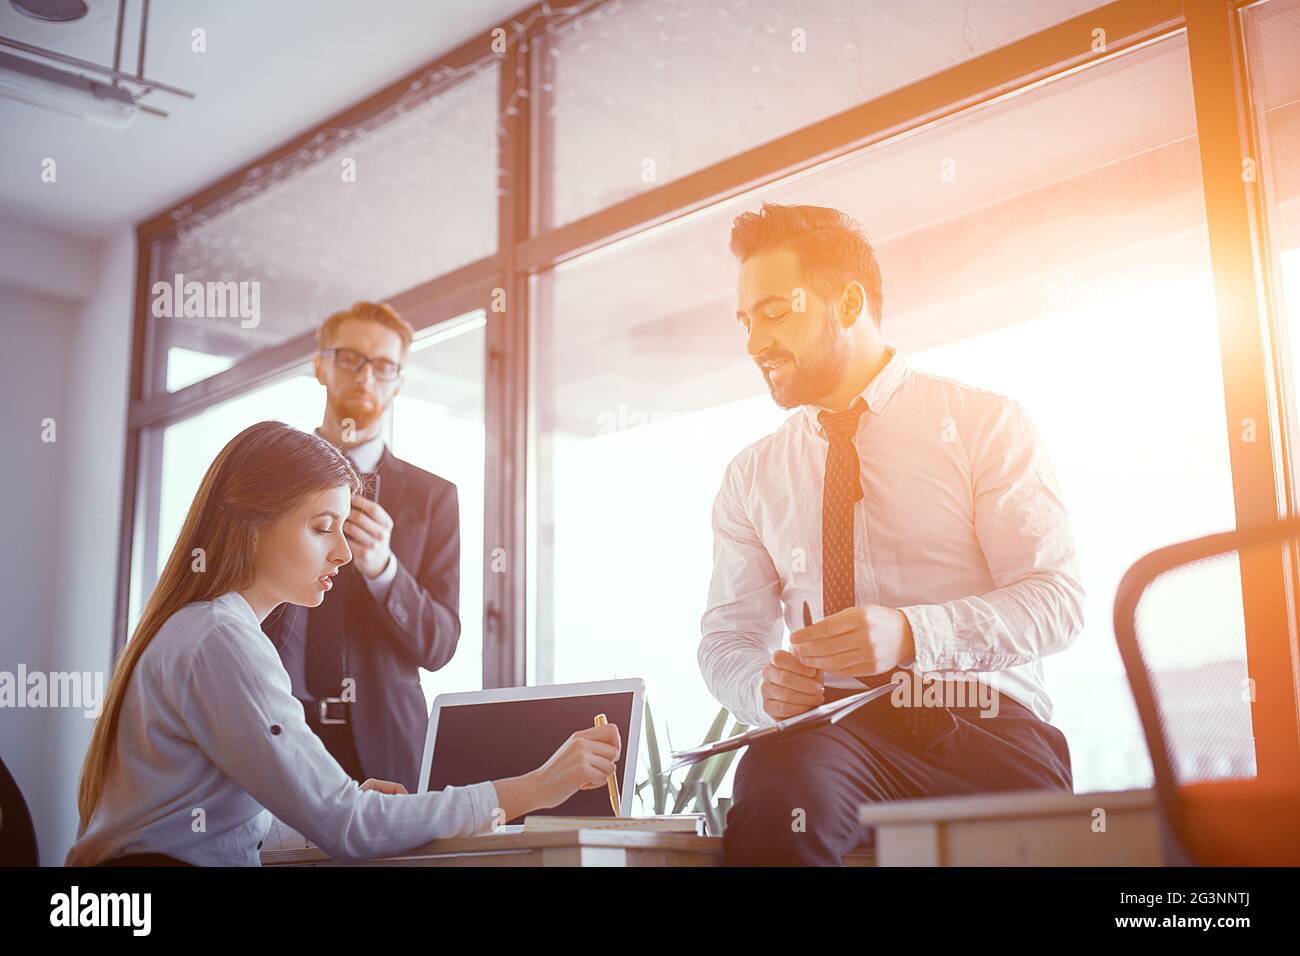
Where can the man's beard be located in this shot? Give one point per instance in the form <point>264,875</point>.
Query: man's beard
<point>362,414</point>
<point>818,374</point>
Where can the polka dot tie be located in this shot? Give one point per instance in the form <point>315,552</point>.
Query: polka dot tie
<point>841,492</point>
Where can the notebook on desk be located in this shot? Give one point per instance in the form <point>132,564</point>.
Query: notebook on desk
<point>828,713</point>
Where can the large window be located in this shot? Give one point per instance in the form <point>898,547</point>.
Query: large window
<point>1051,247</point>
<point>1031,177</point>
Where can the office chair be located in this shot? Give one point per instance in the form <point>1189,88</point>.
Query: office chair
<point>1180,632</point>
<point>17,835</point>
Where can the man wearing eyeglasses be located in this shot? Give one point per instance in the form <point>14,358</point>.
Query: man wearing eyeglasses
<point>355,660</point>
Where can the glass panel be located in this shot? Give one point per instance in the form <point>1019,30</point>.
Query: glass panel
<point>365,213</point>
<point>1136,431</point>
<point>1272,32</point>
<point>438,426</point>
<point>1051,247</point>
<point>174,460</point>
<point>186,366</point>
<point>643,92</point>
<point>1193,640</point>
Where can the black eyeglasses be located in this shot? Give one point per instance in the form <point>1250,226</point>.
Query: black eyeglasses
<point>351,360</point>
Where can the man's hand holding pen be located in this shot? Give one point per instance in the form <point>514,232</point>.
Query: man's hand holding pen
<point>855,642</point>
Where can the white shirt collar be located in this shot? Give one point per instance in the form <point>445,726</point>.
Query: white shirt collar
<point>878,391</point>
<point>365,455</point>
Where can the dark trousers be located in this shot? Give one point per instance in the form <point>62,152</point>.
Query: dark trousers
<point>795,798</point>
<point>337,739</point>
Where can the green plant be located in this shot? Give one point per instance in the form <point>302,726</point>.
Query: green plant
<point>702,779</point>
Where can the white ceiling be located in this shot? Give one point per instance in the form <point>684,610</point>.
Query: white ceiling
<point>270,71</point>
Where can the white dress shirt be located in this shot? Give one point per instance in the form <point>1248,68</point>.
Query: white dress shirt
<point>961,527</point>
<point>210,743</point>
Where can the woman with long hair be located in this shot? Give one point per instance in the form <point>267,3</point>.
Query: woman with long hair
<point>201,740</point>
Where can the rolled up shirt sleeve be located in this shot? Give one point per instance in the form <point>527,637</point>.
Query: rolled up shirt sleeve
<point>742,625</point>
<point>1024,532</point>
<point>242,714</point>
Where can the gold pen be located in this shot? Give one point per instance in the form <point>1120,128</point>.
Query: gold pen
<point>807,622</point>
<point>613,784</point>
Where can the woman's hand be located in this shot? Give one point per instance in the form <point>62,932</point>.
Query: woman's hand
<point>383,786</point>
<point>583,762</point>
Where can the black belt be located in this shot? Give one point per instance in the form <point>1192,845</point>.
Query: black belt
<point>335,731</point>
<point>326,711</point>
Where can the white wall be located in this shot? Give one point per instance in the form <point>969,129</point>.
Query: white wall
<point>37,333</point>
<point>65,317</point>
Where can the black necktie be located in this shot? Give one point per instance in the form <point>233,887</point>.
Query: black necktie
<point>325,662</point>
<point>841,491</point>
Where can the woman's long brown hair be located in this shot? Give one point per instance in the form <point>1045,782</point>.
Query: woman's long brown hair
<point>262,473</point>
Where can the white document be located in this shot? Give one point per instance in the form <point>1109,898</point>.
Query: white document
<point>829,713</point>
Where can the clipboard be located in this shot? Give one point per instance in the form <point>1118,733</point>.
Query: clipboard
<point>829,713</point>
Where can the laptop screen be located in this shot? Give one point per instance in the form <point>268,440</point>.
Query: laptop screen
<point>493,740</point>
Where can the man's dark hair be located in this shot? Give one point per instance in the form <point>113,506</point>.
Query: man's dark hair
<point>832,247</point>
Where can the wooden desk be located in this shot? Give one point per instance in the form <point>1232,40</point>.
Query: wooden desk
<point>557,848</point>
<point>1018,828</point>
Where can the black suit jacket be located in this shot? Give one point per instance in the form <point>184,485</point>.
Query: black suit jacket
<point>417,626</point>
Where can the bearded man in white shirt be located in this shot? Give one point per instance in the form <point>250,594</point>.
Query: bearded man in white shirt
<point>919,520</point>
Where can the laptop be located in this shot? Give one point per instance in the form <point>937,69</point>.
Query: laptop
<point>492,734</point>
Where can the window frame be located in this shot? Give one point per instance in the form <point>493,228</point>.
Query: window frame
<point>1253,368</point>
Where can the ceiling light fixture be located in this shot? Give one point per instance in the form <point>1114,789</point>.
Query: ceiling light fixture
<point>52,11</point>
<point>33,79</point>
